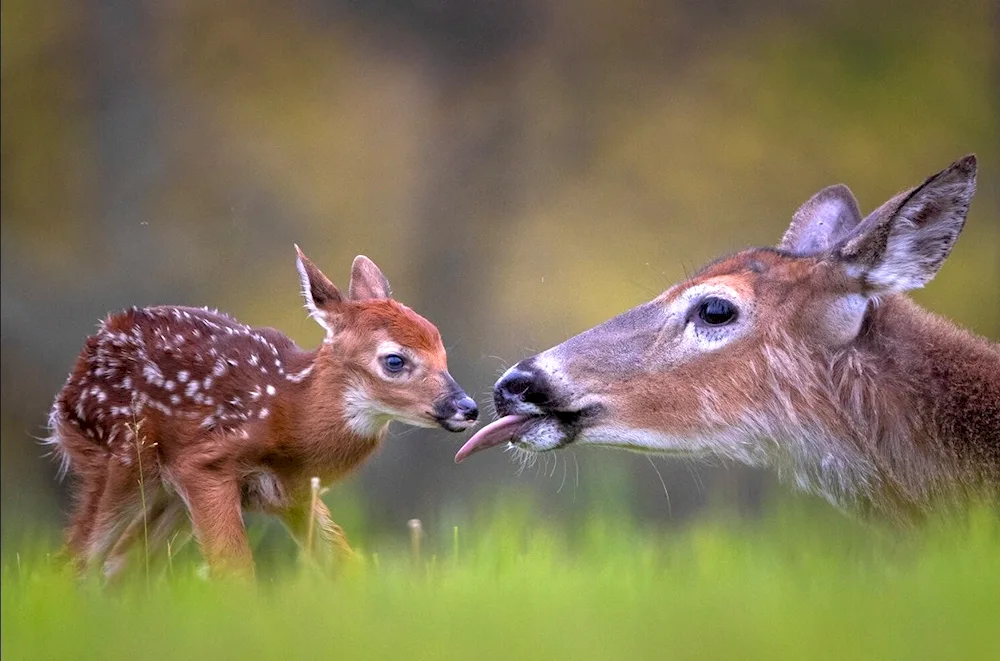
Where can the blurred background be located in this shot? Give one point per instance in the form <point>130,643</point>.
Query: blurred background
<point>521,171</point>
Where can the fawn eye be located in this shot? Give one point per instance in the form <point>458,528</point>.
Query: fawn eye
<point>394,362</point>
<point>714,311</point>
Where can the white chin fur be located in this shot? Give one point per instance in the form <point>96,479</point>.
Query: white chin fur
<point>541,436</point>
<point>731,447</point>
<point>369,417</point>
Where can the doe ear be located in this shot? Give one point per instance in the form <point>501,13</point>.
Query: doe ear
<point>822,221</point>
<point>367,281</point>
<point>322,296</point>
<point>902,244</point>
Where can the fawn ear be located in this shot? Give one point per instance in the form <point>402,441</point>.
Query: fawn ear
<point>822,221</point>
<point>322,296</point>
<point>367,281</point>
<point>903,243</point>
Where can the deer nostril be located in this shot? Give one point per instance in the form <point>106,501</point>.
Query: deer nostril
<point>526,387</point>
<point>515,385</point>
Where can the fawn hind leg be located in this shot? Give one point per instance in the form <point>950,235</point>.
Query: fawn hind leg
<point>81,521</point>
<point>152,532</point>
<point>89,463</point>
<point>119,505</point>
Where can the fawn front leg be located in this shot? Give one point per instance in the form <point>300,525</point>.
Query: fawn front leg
<point>327,536</point>
<point>217,518</point>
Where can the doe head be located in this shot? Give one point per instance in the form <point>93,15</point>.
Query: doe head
<point>387,362</point>
<point>729,361</point>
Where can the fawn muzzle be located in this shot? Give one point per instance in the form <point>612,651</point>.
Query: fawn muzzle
<point>456,411</point>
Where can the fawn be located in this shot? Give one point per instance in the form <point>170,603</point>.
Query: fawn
<point>807,357</point>
<point>213,418</point>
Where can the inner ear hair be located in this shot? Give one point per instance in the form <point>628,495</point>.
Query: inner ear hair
<point>823,220</point>
<point>367,281</point>
<point>321,296</point>
<point>903,243</point>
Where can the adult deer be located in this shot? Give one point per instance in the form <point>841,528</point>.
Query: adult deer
<point>807,357</point>
<point>213,418</point>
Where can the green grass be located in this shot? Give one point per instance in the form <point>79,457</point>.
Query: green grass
<point>798,584</point>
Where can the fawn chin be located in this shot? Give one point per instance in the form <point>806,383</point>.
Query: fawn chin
<point>175,417</point>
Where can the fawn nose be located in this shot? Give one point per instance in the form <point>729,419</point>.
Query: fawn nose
<point>456,411</point>
<point>521,390</point>
<point>467,408</point>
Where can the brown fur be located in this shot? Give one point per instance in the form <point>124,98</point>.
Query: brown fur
<point>828,372</point>
<point>224,419</point>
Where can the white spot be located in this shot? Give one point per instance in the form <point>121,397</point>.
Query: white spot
<point>192,388</point>
<point>297,377</point>
<point>175,399</point>
<point>168,385</point>
<point>263,413</point>
<point>183,376</point>
<point>152,373</point>
<point>270,389</point>
<point>161,407</point>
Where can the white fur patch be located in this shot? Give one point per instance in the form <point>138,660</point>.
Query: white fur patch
<point>368,417</point>
<point>310,304</point>
<point>698,339</point>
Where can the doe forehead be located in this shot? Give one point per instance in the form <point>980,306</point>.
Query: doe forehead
<point>754,260</point>
<point>748,269</point>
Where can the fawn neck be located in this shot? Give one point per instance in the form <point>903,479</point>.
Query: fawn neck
<point>314,418</point>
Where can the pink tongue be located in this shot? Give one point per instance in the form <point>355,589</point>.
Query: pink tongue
<point>495,433</point>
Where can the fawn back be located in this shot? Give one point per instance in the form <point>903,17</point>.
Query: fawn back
<point>212,417</point>
<point>807,357</point>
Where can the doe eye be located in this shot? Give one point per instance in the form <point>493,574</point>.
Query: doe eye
<point>716,311</point>
<point>394,362</point>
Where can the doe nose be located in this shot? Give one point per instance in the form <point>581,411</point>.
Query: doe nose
<point>520,385</point>
<point>467,407</point>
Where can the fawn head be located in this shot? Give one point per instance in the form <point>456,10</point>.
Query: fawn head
<point>387,361</point>
<point>727,360</point>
